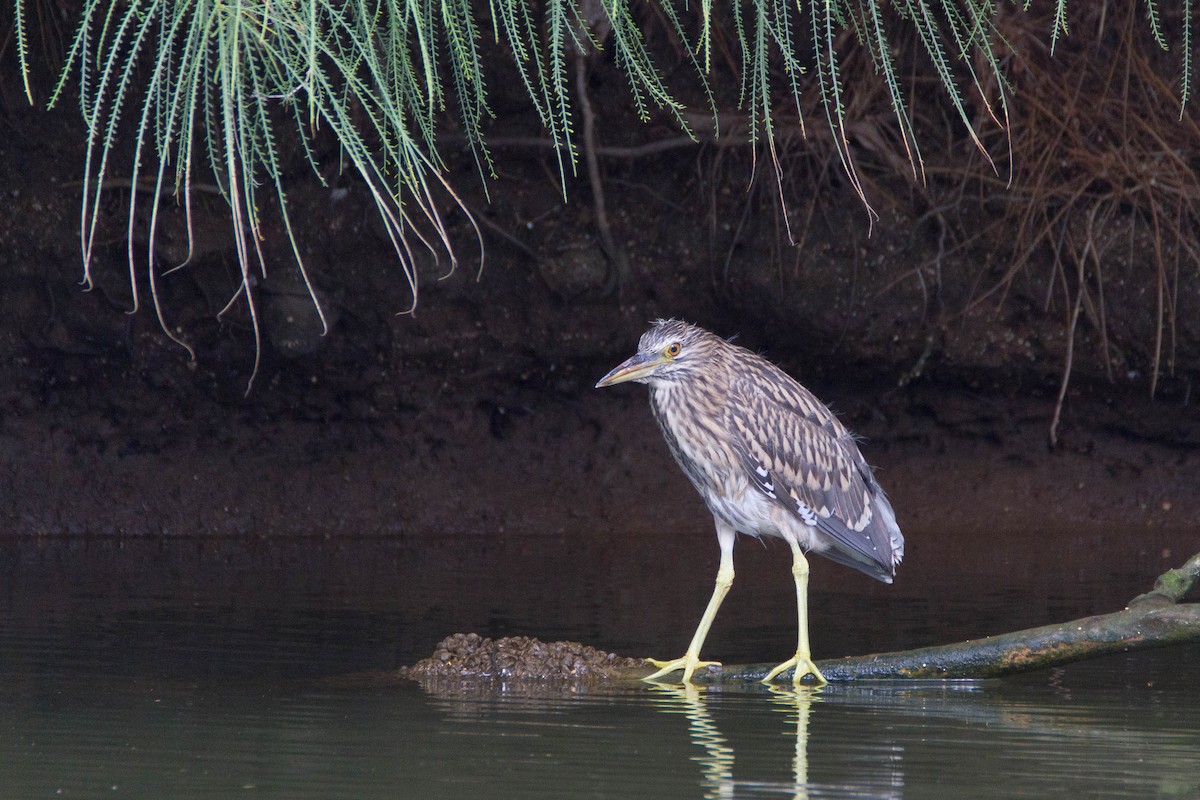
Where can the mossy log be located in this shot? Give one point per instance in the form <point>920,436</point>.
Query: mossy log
<point>465,662</point>
<point>1154,619</point>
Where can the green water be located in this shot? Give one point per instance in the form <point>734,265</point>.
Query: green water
<point>199,669</point>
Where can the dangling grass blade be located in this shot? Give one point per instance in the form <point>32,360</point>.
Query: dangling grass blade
<point>824,29</point>
<point>630,50</point>
<point>880,47</point>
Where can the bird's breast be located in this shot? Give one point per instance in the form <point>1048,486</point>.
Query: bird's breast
<point>696,439</point>
<point>704,451</point>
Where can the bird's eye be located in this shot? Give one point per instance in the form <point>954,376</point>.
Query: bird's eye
<point>673,349</point>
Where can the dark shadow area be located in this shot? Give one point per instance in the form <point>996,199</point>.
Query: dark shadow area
<point>454,465</point>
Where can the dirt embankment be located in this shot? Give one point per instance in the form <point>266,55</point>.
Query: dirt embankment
<point>476,413</point>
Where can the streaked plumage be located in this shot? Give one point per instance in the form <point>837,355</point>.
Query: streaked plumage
<point>768,458</point>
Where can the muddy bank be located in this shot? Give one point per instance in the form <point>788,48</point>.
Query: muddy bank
<point>955,461</point>
<point>476,415</point>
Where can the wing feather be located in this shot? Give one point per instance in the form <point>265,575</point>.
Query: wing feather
<point>796,452</point>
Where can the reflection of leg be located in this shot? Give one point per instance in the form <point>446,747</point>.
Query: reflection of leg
<point>691,659</point>
<point>800,761</point>
<point>799,702</point>
<point>802,661</point>
<point>717,761</point>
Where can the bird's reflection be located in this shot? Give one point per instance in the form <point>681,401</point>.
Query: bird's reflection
<point>857,740</point>
<point>717,762</point>
<point>797,703</point>
<point>796,707</point>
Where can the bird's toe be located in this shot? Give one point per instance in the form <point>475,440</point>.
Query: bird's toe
<point>689,664</point>
<point>802,666</point>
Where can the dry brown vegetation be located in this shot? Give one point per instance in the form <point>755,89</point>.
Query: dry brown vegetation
<point>1090,166</point>
<point>1104,178</point>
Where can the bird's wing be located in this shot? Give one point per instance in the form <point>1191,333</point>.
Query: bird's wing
<point>796,452</point>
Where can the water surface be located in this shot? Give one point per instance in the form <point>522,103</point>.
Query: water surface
<point>199,668</point>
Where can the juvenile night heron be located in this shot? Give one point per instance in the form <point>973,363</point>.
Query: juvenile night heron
<point>769,459</point>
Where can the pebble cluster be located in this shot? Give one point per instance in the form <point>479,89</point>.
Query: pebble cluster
<point>516,657</point>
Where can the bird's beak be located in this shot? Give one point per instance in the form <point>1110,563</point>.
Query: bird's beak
<point>631,369</point>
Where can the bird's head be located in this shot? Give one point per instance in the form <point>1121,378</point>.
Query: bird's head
<point>670,351</point>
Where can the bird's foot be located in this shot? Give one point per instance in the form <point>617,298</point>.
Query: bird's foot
<point>803,665</point>
<point>689,664</point>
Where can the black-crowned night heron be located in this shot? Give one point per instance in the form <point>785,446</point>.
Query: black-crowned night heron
<point>769,459</point>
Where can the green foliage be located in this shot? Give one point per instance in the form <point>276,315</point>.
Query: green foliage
<point>1186,88</point>
<point>22,45</point>
<point>223,74</point>
<point>211,85</point>
<point>1060,22</point>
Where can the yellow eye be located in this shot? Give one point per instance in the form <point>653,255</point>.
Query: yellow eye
<point>673,349</point>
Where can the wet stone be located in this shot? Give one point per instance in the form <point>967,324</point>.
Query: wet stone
<point>469,655</point>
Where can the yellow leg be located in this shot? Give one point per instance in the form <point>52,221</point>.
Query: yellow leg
<point>691,659</point>
<point>802,661</point>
